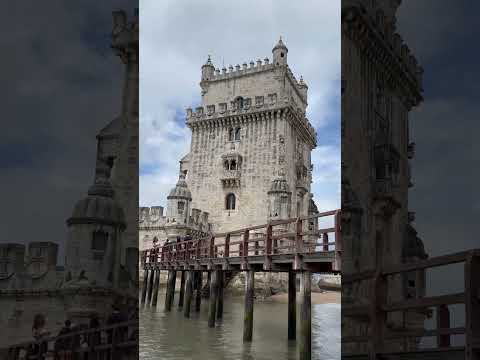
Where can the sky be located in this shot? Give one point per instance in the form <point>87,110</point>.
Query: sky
<point>176,38</point>
<point>445,127</point>
<point>443,36</point>
<point>61,83</point>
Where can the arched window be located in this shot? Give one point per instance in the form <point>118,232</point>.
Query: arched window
<point>226,165</point>
<point>239,101</point>
<point>181,206</point>
<point>230,134</point>
<point>99,240</point>
<point>233,165</point>
<point>230,202</point>
<point>237,134</point>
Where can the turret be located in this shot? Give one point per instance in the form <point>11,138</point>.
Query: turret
<point>178,209</point>
<point>280,53</point>
<point>208,70</point>
<point>95,227</point>
<point>280,198</point>
<point>302,86</point>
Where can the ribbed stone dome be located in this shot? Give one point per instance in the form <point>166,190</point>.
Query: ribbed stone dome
<point>180,191</point>
<point>99,206</point>
<point>97,209</point>
<point>279,184</point>
<point>280,45</point>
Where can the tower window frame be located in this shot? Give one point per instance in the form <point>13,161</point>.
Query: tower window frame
<point>230,201</point>
<point>181,206</point>
<point>99,241</point>
<point>240,102</point>
<point>237,134</point>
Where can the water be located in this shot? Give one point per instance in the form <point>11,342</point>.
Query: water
<point>170,336</point>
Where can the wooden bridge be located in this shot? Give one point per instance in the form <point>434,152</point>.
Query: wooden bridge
<point>294,246</point>
<point>113,342</point>
<point>377,340</point>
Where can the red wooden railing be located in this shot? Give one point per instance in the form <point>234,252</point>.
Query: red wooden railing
<point>375,313</point>
<point>104,342</point>
<point>291,236</point>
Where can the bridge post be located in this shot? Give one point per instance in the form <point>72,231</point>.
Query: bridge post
<point>150,286</point>
<point>156,284</point>
<point>221,284</point>
<point>306,316</point>
<point>298,236</point>
<point>172,277</point>
<point>212,306</point>
<point>198,294</point>
<point>209,282</point>
<point>443,322</point>
<point>472,307</point>
<point>188,293</point>
<point>248,316</point>
<point>292,305</point>
<point>182,291</point>
<point>145,284</point>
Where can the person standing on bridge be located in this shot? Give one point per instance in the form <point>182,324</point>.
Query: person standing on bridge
<point>39,333</point>
<point>63,346</point>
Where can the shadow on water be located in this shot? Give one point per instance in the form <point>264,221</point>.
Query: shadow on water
<point>170,336</point>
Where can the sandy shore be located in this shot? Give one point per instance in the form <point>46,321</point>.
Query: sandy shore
<point>327,297</point>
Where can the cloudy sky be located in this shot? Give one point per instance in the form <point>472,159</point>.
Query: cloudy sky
<point>176,38</point>
<point>445,127</point>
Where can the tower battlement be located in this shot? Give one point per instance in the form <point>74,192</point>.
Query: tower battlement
<point>372,24</point>
<point>252,80</point>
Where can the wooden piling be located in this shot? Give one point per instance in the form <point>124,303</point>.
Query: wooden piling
<point>145,284</point>
<point>150,286</point>
<point>248,316</point>
<point>198,294</point>
<point>188,294</point>
<point>221,284</point>
<point>209,282</point>
<point>156,284</point>
<point>182,291</point>
<point>292,305</point>
<point>212,306</point>
<point>305,345</point>
<point>172,277</point>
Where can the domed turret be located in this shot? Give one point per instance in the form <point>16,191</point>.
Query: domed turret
<point>302,86</point>
<point>208,70</point>
<point>280,53</point>
<point>280,197</point>
<point>179,203</point>
<point>94,231</point>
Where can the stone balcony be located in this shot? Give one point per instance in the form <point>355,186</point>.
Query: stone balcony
<point>230,178</point>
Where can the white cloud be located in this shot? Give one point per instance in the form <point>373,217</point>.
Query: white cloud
<point>176,38</point>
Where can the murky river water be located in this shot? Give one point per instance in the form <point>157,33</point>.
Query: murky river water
<point>170,336</point>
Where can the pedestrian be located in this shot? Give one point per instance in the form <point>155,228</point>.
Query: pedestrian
<point>39,332</point>
<point>63,346</point>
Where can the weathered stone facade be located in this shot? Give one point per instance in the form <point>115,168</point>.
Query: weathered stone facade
<point>381,82</point>
<point>250,153</point>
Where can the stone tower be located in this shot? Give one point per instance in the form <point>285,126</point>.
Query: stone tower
<point>381,83</point>
<point>249,159</point>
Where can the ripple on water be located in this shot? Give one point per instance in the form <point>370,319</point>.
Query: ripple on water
<point>170,336</point>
